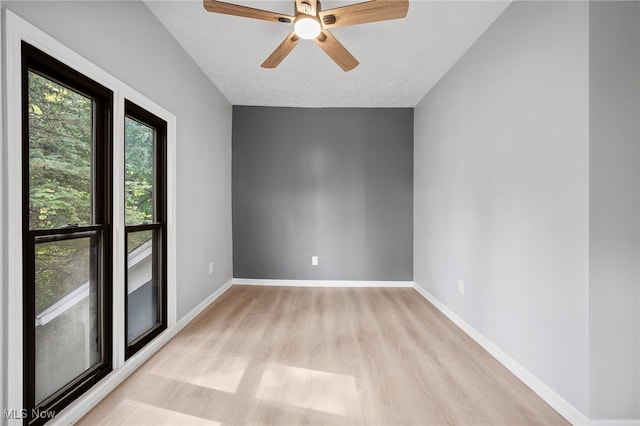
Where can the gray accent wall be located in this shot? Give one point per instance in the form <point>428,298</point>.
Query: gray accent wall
<point>125,39</point>
<point>614,209</point>
<point>335,183</point>
<point>502,191</point>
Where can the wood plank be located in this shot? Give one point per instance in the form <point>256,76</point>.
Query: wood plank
<point>336,51</point>
<point>362,13</point>
<point>216,6</point>
<point>281,51</point>
<point>289,355</point>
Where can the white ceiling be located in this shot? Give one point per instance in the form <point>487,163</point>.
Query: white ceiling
<point>400,60</point>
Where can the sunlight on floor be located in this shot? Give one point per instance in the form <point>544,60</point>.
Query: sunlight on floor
<point>145,414</point>
<point>317,390</point>
<point>210,373</point>
<point>224,376</point>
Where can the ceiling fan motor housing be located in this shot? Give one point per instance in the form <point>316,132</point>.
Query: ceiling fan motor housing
<point>306,7</point>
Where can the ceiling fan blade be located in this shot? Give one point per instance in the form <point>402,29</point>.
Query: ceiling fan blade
<point>360,13</point>
<point>281,51</point>
<point>336,51</point>
<point>246,12</point>
<point>307,6</point>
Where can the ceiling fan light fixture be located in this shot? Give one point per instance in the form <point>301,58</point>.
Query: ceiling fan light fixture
<point>313,23</point>
<point>307,28</point>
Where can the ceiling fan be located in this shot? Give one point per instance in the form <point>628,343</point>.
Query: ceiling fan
<point>312,23</point>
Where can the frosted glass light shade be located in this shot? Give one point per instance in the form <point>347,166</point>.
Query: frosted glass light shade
<point>307,28</point>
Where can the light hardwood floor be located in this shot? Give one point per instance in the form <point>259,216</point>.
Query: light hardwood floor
<point>297,356</point>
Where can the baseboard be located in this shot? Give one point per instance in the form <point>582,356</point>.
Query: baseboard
<point>320,283</point>
<point>566,410</point>
<point>84,404</point>
<point>594,422</point>
<point>202,306</point>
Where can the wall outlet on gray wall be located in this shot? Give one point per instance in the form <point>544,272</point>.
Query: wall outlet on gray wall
<point>461,287</point>
<point>314,260</point>
<point>210,268</point>
<point>345,188</point>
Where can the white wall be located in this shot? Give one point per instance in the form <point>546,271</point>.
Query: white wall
<point>501,191</point>
<point>3,334</point>
<point>527,180</point>
<point>614,209</point>
<point>126,40</point>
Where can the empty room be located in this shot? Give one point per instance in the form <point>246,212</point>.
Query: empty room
<point>324,212</point>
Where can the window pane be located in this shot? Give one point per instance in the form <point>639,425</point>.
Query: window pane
<point>139,172</point>
<point>142,283</point>
<point>60,155</point>
<point>66,312</point>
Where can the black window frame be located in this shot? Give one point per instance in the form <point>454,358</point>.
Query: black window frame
<point>35,60</point>
<point>158,226</point>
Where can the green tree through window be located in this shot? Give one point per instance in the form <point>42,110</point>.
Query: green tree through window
<point>67,238</point>
<point>139,172</point>
<point>60,145</point>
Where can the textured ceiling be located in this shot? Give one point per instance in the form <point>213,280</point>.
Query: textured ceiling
<point>400,60</point>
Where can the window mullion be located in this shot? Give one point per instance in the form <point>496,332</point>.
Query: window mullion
<point>119,232</point>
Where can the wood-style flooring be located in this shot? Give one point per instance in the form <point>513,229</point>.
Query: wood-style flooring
<point>322,356</point>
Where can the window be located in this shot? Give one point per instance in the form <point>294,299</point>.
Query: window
<point>145,138</point>
<point>64,228</point>
<point>67,235</point>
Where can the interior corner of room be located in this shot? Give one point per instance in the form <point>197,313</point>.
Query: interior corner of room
<point>503,187</point>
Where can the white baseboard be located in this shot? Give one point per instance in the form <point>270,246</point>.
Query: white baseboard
<point>566,410</point>
<point>82,406</point>
<point>321,283</point>
<point>85,403</point>
<point>202,306</point>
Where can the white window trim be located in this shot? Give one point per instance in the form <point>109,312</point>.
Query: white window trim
<point>3,318</point>
<point>16,31</point>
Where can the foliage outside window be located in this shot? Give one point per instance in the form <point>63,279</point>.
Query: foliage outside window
<point>139,172</point>
<point>66,233</point>
<point>145,216</point>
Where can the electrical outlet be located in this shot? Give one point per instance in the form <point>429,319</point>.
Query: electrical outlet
<point>314,260</point>
<point>210,268</point>
<point>461,287</point>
